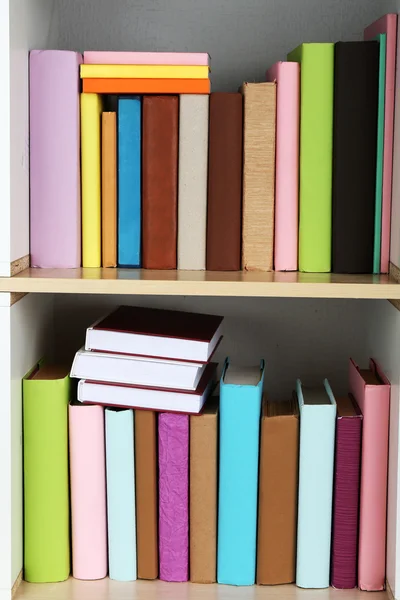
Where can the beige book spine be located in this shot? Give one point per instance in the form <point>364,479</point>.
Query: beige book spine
<point>109,189</point>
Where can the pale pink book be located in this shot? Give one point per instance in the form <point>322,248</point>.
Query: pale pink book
<point>287,77</point>
<point>146,58</point>
<point>371,390</point>
<point>88,491</point>
<point>387,25</point>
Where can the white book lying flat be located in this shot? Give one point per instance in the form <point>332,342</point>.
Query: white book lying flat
<point>132,396</point>
<point>136,370</point>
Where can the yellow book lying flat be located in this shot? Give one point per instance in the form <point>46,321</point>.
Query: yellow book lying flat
<point>143,72</point>
<point>91,107</point>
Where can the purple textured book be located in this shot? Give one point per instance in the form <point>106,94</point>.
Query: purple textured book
<point>173,460</point>
<point>346,492</point>
<point>55,191</point>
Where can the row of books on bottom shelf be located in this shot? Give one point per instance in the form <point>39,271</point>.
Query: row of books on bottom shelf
<point>248,491</point>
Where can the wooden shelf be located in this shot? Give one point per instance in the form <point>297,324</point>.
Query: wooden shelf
<point>202,283</point>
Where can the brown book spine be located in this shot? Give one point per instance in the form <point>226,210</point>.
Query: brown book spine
<point>109,189</point>
<point>146,493</point>
<point>203,495</point>
<point>277,504</point>
<point>160,181</point>
<point>224,208</point>
<point>258,176</point>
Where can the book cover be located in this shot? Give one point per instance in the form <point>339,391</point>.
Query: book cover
<point>121,512</point>
<point>203,494</point>
<point>287,78</point>
<point>173,463</point>
<point>371,390</point>
<point>192,185</point>
<point>278,487</point>
<point>346,494</point>
<point>258,176</point>
<point>160,181</point>
<point>46,392</point>
<point>240,409</point>
<point>91,107</point>
<point>316,132</point>
<point>317,408</point>
<point>87,463</point>
<point>54,149</point>
<point>147,86</point>
<point>224,205</point>
<point>395,216</point>
<point>109,189</point>
<point>144,71</point>
<point>387,25</point>
<point>354,156</point>
<point>129,182</point>
<point>146,58</point>
<point>146,493</point>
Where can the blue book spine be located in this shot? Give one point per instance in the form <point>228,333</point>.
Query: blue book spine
<point>240,411</point>
<point>129,182</point>
<point>121,508</point>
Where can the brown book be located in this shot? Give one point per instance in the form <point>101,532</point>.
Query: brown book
<point>224,209</point>
<point>203,494</point>
<point>146,494</point>
<point>160,181</point>
<point>109,189</point>
<point>277,504</point>
<point>258,176</point>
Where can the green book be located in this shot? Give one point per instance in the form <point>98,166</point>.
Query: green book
<point>379,153</point>
<point>316,135</point>
<point>46,392</point>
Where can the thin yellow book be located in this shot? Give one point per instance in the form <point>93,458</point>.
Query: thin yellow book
<point>91,107</point>
<point>143,72</point>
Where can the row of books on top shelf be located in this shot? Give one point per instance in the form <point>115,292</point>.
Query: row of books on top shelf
<point>180,179</point>
<point>248,490</point>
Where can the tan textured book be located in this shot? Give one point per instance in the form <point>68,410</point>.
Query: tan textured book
<point>258,176</point>
<point>277,503</point>
<point>203,494</point>
<point>109,190</point>
<point>146,494</point>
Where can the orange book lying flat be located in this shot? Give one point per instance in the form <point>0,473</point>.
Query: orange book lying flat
<point>147,86</point>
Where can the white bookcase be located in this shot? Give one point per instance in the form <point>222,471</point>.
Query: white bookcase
<point>303,325</point>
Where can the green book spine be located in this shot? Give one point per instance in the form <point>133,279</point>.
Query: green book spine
<point>316,135</point>
<point>46,485</point>
<point>379,155</point>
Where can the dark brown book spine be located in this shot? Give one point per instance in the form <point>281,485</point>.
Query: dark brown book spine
<point>160,181</point>
<point>224,209</point>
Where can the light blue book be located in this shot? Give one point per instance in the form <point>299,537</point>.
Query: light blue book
<point>239,426</point>
<point>121,509</point>
<point>129,182</point>
<point>317,448</point>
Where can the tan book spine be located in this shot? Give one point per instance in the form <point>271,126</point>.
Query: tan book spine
<point>146,493</point>
<point>109,189</point>
<point>203,495</point>
<point>258,176</point>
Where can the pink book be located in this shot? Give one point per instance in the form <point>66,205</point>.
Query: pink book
<point>147,58</point>
<point>287,76</point>
<point>387,25</point>
<point>55,191</point>
<point>173,461</point>
<point>371,390</point>
<point>88,491</point>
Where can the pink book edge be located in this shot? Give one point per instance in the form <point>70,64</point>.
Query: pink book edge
<point>147,58</point>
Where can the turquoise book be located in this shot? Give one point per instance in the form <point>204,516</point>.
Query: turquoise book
<point>129,182</point>
<point>379,153</point>
<point>121,508</point>
<point>317,408</point>
<point>239,427</point>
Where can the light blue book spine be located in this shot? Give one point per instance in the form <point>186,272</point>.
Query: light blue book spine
<point>121,509</point>
<point>129,182</point>
<point>317,448</point>
<point>239,425</point>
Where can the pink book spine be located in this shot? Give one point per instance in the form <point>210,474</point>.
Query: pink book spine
<point>173,459</point>
<point>55,196</point>
<point>287,76</point>
<point>387,24</point>
<point>373,401</point>
<point>88,492</point>
<point>146,58</point>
